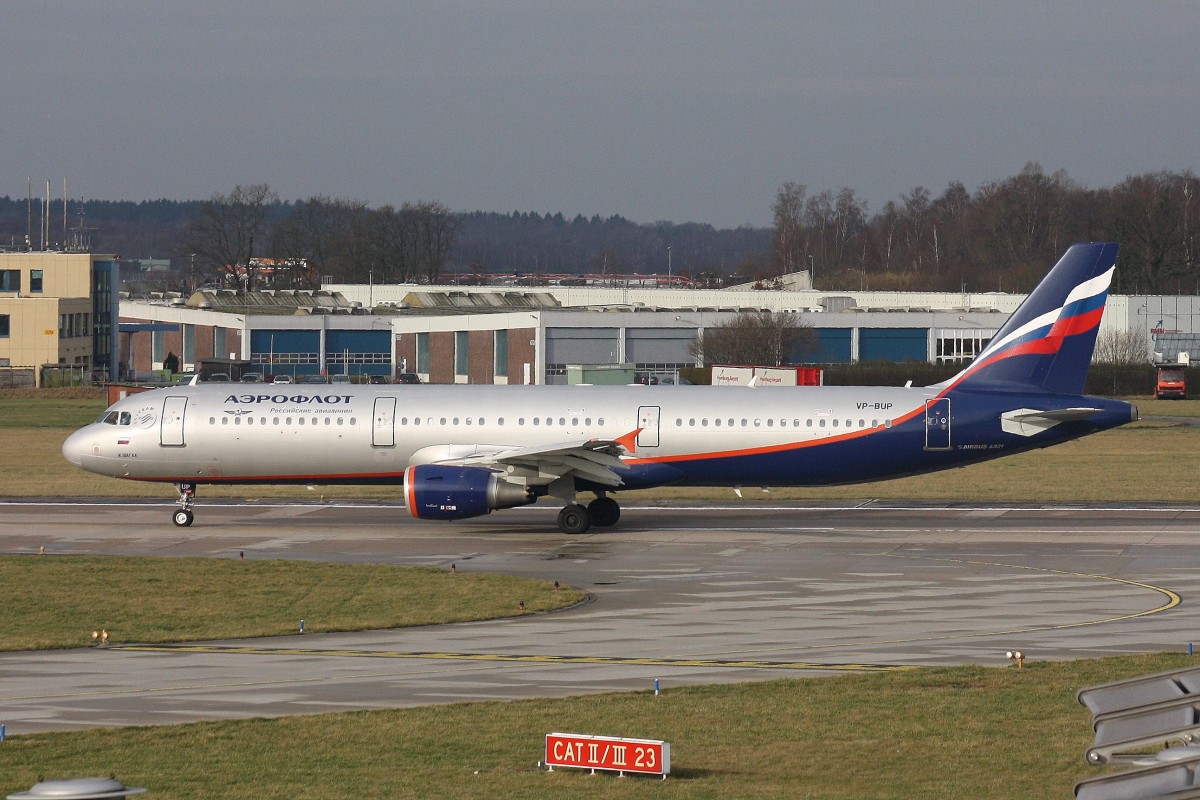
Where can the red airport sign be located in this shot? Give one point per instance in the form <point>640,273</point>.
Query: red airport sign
<point>582,751</point>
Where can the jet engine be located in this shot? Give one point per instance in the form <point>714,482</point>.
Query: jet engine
<point>433,491</point>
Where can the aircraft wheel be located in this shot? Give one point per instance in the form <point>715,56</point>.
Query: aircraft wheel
<point>183,518</point>
<point>604,511</point>
<point>574,519</point>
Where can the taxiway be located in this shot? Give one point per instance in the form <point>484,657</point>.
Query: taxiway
<point>685,595</point>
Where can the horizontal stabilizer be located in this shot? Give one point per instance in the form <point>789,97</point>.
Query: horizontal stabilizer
<point>1031,421</point>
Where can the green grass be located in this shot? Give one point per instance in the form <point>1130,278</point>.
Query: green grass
<point>930,733</point>
<point>58,601</point>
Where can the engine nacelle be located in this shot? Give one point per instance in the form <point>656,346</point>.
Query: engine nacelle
<point>432,491</point>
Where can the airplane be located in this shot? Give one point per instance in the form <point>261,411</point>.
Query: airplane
<point>459,451</point>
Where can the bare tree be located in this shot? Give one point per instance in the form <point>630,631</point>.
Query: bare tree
<point>763,338</point>
<point>1122,347</point>
<point>790,241</point>
<point>320,231</point>
<point>430,230</point>
<point>223,237</point>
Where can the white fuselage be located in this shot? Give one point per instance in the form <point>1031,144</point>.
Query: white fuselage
<point>262,433</point>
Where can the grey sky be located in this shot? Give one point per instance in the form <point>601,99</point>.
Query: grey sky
<point>681,111</point>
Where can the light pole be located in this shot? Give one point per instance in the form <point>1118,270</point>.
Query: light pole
<point>812,273</point>
<point>668,265</point>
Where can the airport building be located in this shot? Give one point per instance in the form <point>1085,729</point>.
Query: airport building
<point>57,317</point>
<point>509,336</point>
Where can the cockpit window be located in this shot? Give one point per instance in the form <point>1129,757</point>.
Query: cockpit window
<point>109,418</point>
<point>126,418</point>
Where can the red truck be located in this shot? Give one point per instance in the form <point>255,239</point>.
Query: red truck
<point>1171,384</point>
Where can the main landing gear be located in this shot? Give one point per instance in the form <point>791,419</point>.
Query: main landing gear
<point>602,512</point>
<point>183,515</point>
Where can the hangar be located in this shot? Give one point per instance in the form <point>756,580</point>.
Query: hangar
<point>458,334</point>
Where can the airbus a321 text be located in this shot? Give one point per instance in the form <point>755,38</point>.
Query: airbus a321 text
<point>464,451</point>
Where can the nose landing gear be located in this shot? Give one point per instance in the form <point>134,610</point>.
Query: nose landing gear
<point>183,515</point>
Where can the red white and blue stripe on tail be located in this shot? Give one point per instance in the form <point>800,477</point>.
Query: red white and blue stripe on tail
<point>1047,343</point>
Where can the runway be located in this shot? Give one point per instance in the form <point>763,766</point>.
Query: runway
<point>686,595</point>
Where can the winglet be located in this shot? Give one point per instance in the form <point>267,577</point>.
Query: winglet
<point>629,440</point>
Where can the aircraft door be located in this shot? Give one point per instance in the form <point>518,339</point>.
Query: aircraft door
<point>937,424</point>
<point>171,427</point>
<point>383,430</point>
<point>648,422</point>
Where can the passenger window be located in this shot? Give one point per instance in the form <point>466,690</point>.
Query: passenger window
<point>455,422</point>
<point>354,420</point>
<point>212,420</point>
<point>237,420</point>
<point>562,421</point>
<point>692,423</point>
<point>341,421</point>
<point>822,423</point>
<point>717,422</point>
<point>288,421</point>
<point>224,420</point>
<point>770,423</point>
<point>535,420</point>
<point>416,420</point>
<point>835,423</point>
<point>575,421</point>
<point>500,421</point>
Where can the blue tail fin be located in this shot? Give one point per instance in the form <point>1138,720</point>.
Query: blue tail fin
<point>1047,343</point>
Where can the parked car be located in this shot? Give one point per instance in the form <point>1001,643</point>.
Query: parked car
<point>218,377</point>
<point>340,379</point>
<point>408,377</point>
<point>282,379</point>
<point>378,379</point>
<point>314,379</point>
<point>252,377</point>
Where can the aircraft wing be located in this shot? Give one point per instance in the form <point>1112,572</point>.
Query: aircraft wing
<point>595,460</point>
<point>1028,421</point>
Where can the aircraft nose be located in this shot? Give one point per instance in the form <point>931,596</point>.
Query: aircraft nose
<point>72,448</point>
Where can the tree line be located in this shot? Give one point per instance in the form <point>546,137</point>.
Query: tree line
<point>1001,237</point>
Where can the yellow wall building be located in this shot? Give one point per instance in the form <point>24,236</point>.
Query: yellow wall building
<point>58,309</point>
